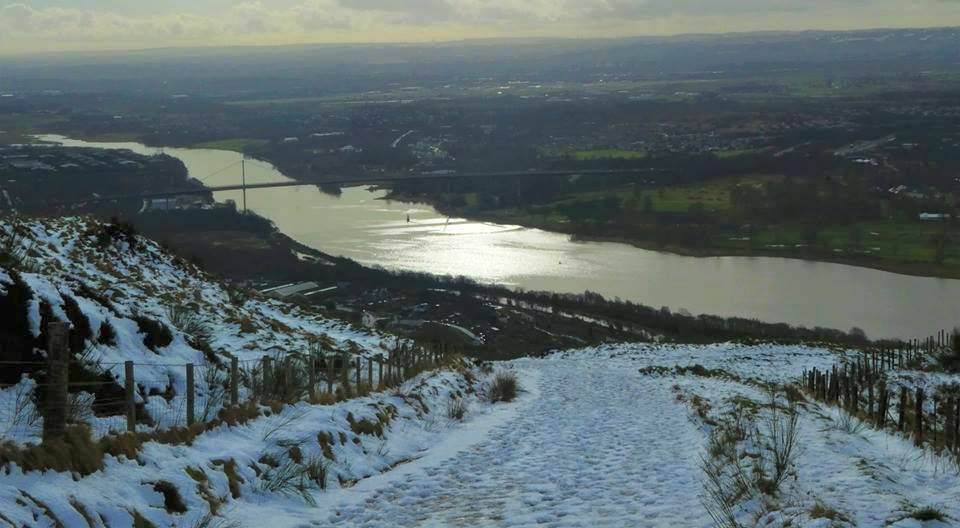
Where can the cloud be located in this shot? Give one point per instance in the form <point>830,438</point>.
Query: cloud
<point>25,26</point>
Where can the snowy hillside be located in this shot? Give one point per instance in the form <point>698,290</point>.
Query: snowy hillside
<point>129,300</point>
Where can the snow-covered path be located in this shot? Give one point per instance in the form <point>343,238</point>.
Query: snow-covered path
<point>599,445</point>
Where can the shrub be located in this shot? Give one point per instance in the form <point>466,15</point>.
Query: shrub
<point>107,335</point>
<point>81,331</point>
<point>503,388</point>
<point>117,231</point>
<point>156,335</point>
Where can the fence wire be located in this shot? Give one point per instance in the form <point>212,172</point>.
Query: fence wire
<point>195,394</point>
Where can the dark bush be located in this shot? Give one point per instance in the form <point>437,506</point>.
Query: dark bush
<point>156,335</point>
<point>116,231</point>
<point>81,331</point>
<point>107,334</point>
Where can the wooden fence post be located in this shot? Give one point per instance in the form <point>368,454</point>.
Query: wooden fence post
<point>344,374</point>
<point>58,397</point>
<point>267,376</point>
<point>380,371</point>
<point>131,392</point>
<point>902,418</point>
<point>234,381</point>
<point>370,373</point>
<point>918,411</point>
<point>190,395</point>
<point>359,373</point>
<point>330,374</point>
<point>312,375</point>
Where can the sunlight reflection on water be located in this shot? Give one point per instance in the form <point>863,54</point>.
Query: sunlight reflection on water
<point>360,226</point>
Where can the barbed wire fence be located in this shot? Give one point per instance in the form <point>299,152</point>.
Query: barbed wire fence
<point>45,401</point>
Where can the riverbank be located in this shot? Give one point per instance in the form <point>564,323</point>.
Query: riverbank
<point>913,269</point>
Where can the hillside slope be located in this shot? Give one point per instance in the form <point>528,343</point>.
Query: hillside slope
<point>127,299</point>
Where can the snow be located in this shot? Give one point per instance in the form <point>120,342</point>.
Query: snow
<point>126,486</point>
<point>603,436</point>
<point>588,447</point>
<point>67,260</point>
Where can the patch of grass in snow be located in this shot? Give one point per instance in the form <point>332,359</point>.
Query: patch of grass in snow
<point>928,513</point>
<point>456,409</point>
<point>748,458</point>
<point>325,440</point>
<point>204,489</point>
<point>77,452</point>
<point>172,501</point>
<point>293,478</point>
<point>234,480</point>
<point>503,388</point>
<point>156,335</point>
<point>822,511</point>
<point>370,427</point>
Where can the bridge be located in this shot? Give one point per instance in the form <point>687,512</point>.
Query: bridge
<point>338,181</point>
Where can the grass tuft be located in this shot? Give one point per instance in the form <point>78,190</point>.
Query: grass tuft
<point>503,388</point>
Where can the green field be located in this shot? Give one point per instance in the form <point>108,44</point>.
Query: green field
<point>236,145</point>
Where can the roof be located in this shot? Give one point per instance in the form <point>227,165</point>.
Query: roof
<point>287,290</point>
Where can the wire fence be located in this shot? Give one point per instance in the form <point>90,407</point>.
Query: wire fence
<point>116,398</point>
<point>865,388</point>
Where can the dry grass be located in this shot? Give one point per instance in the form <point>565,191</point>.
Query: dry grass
<point>822,511</point>
<point>296,479</point>
<point>928,513</point>
<point>77,452</point>
<point>234,480</point>
<point>456,409</point>
<point>503,388</point>
<point>172,501</point>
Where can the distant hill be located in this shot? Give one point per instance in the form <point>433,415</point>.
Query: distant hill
<point>231,71</point>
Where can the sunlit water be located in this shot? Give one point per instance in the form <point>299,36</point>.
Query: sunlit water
<point>372,231</point>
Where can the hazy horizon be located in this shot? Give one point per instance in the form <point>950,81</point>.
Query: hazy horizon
<point>112,25</point>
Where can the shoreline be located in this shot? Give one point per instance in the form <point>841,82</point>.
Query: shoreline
<point>912,270</point>
<point>923,270</point>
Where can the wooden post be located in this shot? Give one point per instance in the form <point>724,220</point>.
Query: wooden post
<point>267,376</point>
<point>918,411</point>
<point>58,397</point>
<point>344,375</point>
<point>359,373</point>
<point>370,373</point>
<point>312,374</point>
<point>131,392</point>
<point>190,395</point>
<point>933,425</point>
<point>902,414</point>
<point>329,361</point>
<point>234,381</point>
<point>380,371</point>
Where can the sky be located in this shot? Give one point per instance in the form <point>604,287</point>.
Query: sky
<point>50,25</point>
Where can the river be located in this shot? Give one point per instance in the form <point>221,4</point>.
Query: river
<point>362,226</point>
